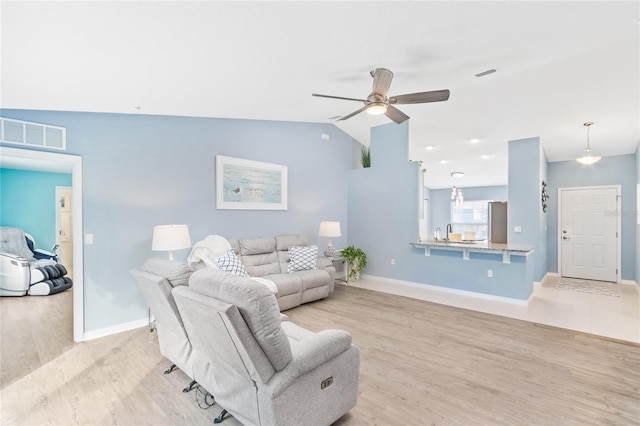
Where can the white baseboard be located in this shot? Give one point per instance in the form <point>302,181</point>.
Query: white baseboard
<point>95,334</point>
<point>426,291</point>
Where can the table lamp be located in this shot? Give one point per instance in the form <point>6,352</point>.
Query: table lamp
<point>330,230</point>
<point>170,238</point>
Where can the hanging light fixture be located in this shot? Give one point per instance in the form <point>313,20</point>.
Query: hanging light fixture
<point>587,155</point>
<point>456,193</point>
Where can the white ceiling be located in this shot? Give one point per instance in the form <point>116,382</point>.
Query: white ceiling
<point>560,64</point>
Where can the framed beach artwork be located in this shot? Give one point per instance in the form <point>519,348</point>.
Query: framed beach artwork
<point>250,185</point>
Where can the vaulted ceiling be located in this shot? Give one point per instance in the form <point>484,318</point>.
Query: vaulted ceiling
<point>559,64</point>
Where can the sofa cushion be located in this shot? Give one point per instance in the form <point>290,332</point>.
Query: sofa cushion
<point>302,258</point>
<point>257,305</point>
<point>231,264</point>
<point>286,283</point>
<point>176,273</point>
<point>283,242</point>
<point>251,246</point>
<point>259,265</point>
<point>314,278</point>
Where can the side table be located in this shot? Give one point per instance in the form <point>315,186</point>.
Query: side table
<point>345,267</point>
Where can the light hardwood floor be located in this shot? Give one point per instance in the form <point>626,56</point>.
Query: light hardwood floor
<point>422,364</point>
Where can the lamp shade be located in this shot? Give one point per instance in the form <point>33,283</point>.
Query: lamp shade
<point>329,229</point>
<point>170,237</point>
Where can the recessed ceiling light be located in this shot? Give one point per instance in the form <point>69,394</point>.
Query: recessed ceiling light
<point>474,140</point>
<point>457,174</point>
<point>443,161</point>
<point>485,156</point>
<point>429,148</point>
<point>135,108</point>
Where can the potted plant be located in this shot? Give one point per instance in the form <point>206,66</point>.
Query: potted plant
<point>356,261</point>
<point>365,157</point>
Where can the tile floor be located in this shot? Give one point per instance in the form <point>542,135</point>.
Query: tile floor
<point>615,317</point>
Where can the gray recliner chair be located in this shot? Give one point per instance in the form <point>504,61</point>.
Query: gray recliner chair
<point>155,279</point>
<point>262,369</point>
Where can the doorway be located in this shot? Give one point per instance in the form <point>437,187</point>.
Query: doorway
<point>589,243</point>
<point>65,163</point>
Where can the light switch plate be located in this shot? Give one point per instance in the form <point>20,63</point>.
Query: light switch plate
<point>88,238</point>
<point>517,229</point>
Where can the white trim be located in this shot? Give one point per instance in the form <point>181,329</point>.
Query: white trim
<point>628,282</point>
<point>73,164</point>
<point>108,331</point>
<point>427,291</point>
<point>618,189</point>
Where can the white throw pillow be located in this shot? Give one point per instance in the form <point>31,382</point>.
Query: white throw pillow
<point>302,258</point>
<point>231,264</point>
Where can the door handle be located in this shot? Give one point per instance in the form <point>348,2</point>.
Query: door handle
<point>566,238</point>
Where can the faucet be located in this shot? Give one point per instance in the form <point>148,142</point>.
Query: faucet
<point>449,229</point>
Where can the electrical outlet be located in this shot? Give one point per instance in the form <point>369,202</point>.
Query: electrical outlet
<point>393,261</point>
<point>489,273</point>
<point>517,229</point>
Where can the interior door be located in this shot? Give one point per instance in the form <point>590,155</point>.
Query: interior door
<point>64,227</point>
<point>589,233</point>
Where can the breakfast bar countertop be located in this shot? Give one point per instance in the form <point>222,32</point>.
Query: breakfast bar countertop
<point>475,246</point>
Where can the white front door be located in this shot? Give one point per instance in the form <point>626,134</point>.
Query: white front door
<point>588,233</point>
<point>64,228</point>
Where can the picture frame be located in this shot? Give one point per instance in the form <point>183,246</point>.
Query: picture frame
<point>250,185</point>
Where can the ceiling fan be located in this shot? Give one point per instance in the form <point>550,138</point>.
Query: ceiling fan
<point>378,103</point>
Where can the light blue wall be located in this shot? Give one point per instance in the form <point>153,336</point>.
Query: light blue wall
<point>141,170</point>
<point>383,220</point>
<point>527,170</point>
<point>614,170</point>
<point>637,214</point>
<point>383,200</point>
<point>440,204</point>
<point>28,202</point>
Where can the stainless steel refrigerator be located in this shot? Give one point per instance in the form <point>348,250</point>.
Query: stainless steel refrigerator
<point>498,222</point>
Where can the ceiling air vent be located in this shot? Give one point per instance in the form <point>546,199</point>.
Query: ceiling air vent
<point>487,72</point>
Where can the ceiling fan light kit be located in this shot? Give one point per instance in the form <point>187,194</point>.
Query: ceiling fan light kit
<point>379,103</point>
<point>587,155</point>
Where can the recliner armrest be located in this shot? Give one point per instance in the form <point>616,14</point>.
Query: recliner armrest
<point>44,254</point>
<point>310,353</point>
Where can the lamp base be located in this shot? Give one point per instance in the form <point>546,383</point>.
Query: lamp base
<point>329,252</point>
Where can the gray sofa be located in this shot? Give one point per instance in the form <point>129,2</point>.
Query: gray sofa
<point>155,279</point>
<point>260,367</point>
<point>268,257</point>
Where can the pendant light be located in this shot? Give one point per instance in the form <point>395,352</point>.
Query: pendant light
<point>587,155</point>
<point>456,193</point>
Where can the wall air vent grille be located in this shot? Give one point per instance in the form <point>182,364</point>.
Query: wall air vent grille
<point>33,134</point>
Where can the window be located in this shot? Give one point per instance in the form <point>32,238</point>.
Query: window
<point>471,216</point>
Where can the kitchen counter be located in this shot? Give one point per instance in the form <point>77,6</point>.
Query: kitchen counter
<point>467,247</point>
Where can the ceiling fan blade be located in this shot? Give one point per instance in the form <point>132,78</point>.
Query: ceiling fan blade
<point>381,81</point>
<point>421,97</point>
<point>346,117</point>
<point>395,114</point>
<point>337,97</point>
